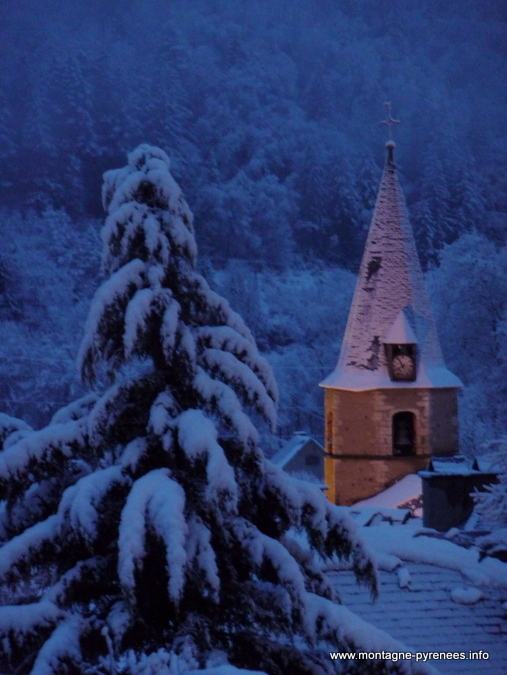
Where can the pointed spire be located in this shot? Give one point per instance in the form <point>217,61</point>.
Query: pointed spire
<point>390,282</point>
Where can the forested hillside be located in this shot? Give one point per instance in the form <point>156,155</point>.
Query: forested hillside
<point>269,111</point>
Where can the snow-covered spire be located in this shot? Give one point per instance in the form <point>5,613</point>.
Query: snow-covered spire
<point>390,281</point>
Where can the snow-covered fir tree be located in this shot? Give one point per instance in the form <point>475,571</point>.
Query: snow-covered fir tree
<point>143,531</point>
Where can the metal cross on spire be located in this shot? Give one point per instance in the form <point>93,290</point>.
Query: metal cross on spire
<point>389,121</point>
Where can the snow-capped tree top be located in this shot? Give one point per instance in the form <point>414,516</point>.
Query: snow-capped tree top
<point>149,256</point>
<point>147,211</point>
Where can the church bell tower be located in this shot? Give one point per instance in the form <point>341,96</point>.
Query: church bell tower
<point>391,402</point>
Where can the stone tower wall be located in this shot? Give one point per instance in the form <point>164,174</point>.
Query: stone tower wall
<point>358,437</point>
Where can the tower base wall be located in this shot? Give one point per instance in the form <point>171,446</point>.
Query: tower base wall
<point>366,451</point>
<point>351,479</point>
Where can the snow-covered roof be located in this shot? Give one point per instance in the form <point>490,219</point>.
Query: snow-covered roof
<point>283,456</point>
<point>400,492</point>
<point>401,332</point>
<point>435,596</point>
<point>457,465</point>
<point>361,380</point>
<point>390,300</point>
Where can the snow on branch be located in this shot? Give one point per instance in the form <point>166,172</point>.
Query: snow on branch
<point>63,646</point>
<point>155,239</point>
<point>30,459</point>
<point>11,430</point>
<point>168,329</point>
<point>156,501</point>
<point>26,507</point>
<point>21,551</point>
<point>138,310</point>
<point>133,231</point>
<point>128,217</point>
<point>229,340</point>
<point>75,410</point>
<point>242,379</point>
<point>133,454</point>
<point>330,531</point>
<point>119,620</point>
<point>338,625</point>
<point>316,579</point>
<point>112,179</point>
<point>179,233</point>
<point>343,540</point>
<point>214,308</point>
<point>313,512</point>
<point>83,572</point>
<point>146,304</point>
<point>19,624</point>
<point>149,156</point>
<point>109,412</point>
<point>162,413</point>
<point>285,487</point>
<point>220,399</point>
<point>148,181</point>
<point>201,553</point>
<point>262,550</point>
<point>166,219</point>
<point>106,312</point>
<point>81,503</point>
<point>197,437</point>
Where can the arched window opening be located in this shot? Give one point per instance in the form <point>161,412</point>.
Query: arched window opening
<point>404,434</point>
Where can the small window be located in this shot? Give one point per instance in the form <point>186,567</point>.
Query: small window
<point>312,460</point>
<point>404,434</point>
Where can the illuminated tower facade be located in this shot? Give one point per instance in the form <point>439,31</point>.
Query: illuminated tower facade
<point>391,402</point>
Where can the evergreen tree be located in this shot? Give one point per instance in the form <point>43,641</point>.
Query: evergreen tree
<point>468,293</point>
<point>427,234</point>
<point>143,530</point>
<point>436,195</point>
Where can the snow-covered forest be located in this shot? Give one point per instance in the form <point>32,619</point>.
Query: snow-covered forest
<point>269,111</point>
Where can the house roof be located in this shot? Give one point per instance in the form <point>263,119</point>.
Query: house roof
<point>434,596</point>
<point>290,449</point>
<point>402,491</point>
<point>458,465</point>
<point>390,282</point>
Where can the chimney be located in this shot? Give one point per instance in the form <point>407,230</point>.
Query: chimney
<point>447,487</point>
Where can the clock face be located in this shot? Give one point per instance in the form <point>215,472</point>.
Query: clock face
<point>403,367</point>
